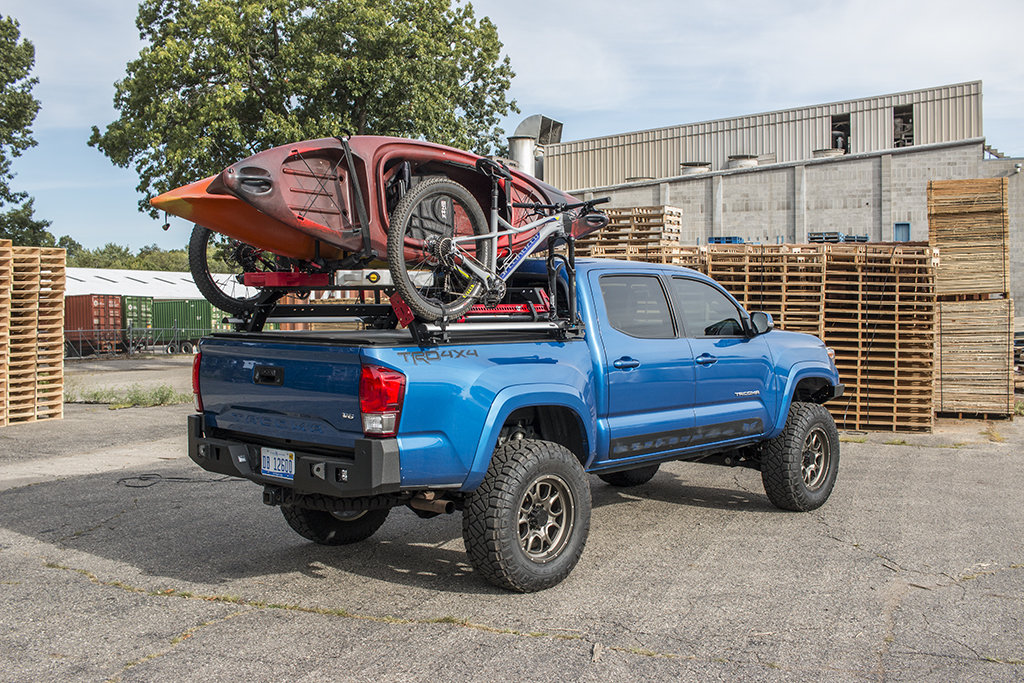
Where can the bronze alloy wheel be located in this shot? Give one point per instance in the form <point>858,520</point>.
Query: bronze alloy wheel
<point>545,518</point>
<point>816,459</point>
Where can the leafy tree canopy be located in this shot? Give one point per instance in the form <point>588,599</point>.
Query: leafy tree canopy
<point>150,257</point>
<point>21,227</point>
<point>18,108</point>
<point>219,80</point>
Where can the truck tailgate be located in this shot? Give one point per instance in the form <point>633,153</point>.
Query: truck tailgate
<point>282,391</point>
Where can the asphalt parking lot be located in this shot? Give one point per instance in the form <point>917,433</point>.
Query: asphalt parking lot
<point>121,560</point>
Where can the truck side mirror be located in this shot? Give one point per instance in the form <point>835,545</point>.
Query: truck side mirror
<point>761,322</point>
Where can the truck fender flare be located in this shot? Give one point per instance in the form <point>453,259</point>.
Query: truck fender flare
<point>512,398</point>
<point>800,370</point>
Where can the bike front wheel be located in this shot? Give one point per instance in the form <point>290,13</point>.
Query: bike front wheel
<point>210,252</point>
<point>426,265</point>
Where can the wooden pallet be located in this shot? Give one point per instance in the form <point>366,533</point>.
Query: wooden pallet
<point>6,265</point>
<point>33,333</point>
<point>974,373</point>
<point>968,221</point>
<point>21,378</point>
<point>50,335</point>
<point>640,233</point>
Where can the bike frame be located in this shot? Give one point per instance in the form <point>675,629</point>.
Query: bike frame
<point>547,226</point>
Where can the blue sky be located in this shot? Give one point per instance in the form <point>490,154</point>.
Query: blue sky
<point>599,66</point>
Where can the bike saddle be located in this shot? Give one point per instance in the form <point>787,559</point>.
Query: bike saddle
<point>493,169</point>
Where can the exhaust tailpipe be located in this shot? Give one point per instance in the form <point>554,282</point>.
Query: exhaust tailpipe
<point>429,502</point>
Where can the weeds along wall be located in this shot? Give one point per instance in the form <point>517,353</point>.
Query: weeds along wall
<point>32,282</point>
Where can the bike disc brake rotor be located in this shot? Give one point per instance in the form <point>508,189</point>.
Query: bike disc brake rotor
<point>433,225</point>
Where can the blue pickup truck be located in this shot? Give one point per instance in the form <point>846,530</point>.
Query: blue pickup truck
<point>503,423</point>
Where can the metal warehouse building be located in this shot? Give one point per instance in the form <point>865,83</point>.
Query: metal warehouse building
<point>859,167</point>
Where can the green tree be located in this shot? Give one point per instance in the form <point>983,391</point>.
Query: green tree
<point>150,257</point>
<point>109,255</point>
<point>219,80</point>
<point>18,110</point>
<point>21,227</point>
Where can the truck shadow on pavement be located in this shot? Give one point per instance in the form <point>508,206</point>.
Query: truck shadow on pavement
<point>669,487</point>
<point>179,524</point>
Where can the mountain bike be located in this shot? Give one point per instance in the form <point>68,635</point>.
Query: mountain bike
<point>445,255</point>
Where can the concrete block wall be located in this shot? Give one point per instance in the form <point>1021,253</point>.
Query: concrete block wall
<point>843,197</point>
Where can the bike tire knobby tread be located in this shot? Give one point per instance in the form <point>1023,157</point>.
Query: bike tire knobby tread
<point>424,309</point>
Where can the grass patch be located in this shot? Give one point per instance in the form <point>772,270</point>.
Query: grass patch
<point>993,435</point>
<point>853,439</point>
<point>896,442</point>
<point>128,397</point>
<point>1018,408</point>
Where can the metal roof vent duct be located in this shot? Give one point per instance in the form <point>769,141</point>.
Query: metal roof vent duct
<point>533,131</point>
<point>742,161</point>
<point>694,167</point>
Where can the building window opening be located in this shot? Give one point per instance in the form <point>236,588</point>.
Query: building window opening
<point>901,232</point>
<point>841,132</point>
<point>903,126</point>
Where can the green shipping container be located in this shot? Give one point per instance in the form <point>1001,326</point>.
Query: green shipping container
<point>137,312</point>
<point>192,318</point>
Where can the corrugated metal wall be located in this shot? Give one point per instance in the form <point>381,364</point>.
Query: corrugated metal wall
<point>943,114</point>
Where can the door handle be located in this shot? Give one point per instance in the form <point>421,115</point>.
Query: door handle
<point>706,359</point>
<point>626,362</point>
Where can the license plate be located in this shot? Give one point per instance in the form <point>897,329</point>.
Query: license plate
<point>277,463</point>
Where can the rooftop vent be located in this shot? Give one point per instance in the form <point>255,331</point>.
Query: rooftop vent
<point>742,160</point>
<point>694,167</point>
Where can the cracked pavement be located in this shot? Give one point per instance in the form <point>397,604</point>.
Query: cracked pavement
<point>144,567</point>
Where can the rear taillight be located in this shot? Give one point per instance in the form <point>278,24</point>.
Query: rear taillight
<point>381,391</point>
<point>195,381</point>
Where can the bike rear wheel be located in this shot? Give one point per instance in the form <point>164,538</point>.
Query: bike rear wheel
<point>425,269</point>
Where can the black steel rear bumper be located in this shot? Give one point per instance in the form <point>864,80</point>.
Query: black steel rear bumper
<point>371,469</point>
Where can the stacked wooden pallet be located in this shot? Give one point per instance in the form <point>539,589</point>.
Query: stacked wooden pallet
<point>873,304</point>
<point>784,280</point>
<point>50,335</point>
<point>878,312</point>
<point>968,222</point>
<point>974,350</point>
<point>32,285</point>
<point>21,375</point>
<point>6,265</point>
<point>644,233</point>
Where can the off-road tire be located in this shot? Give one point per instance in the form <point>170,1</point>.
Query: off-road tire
<point>327,528</point>
<point>491,521</point>
<point>634,477</point>
<point>799,467</point>
<point>426,308</point>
